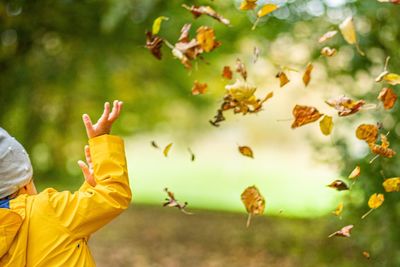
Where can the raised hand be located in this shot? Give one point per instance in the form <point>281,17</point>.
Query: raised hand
<point>103,125</point>
<point>87,169</point>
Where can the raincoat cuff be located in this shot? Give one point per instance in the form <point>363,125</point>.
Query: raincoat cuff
<point>104,145</point>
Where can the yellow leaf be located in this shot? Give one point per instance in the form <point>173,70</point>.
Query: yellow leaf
<point>367,132</point>
<point>166,149</point>
<point>355,173</point>
<point>375,201</point>
<point>157,24</point>
<point>307,74</point>
<point>348,31</point>
<point>206,38</point>
<point>328,52</point>
<point>266,9</point>
<point>246,151</point>
<point>326,125</point>
<point>392,78</point>
<point>392,184</point>
<point>248,4</point>
<point>253,201</point>
<point>339,209</point>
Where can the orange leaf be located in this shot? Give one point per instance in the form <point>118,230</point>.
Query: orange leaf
<point>376,200</point>
<point>282,78</point>
<point>367,132</point>
<point>388,97</point>
<point>307,74</point>
<point>199,88</point>
<point>392,184</point>
<point>227,73</point>
<point>253,201</point>
<point>304,114</point>
<point>246,151</point>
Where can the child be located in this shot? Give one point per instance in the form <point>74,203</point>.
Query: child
<point>52,228</point>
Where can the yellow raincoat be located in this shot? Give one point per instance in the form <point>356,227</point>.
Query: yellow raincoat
<point>52,228</point>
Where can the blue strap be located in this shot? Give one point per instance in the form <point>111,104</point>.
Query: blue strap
<point>5,203</point>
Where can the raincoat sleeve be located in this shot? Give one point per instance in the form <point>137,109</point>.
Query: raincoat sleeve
<point>88,209</point>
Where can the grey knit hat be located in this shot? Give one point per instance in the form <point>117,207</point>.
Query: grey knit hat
<point>15,166</point>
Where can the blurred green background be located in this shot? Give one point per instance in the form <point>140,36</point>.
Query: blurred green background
<point>59,59</point>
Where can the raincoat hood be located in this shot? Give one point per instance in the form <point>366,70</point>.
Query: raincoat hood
<point>11,221</point>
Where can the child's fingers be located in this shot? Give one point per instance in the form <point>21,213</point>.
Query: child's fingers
<point>119,107</point>
<point>114,112</point>
<point>84,168</point>
<point>88,125</point>
<point>88,156</point>
<point>106,112</point>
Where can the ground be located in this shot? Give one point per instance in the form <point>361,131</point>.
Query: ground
<point>155,236</point>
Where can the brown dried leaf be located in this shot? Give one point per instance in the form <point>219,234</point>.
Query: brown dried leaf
<point>307,74</point>
<point>246,151</point>
<point>339,185</point>
<point>192,155</point>
<point>154,144</point>
<point>344,232</point>
<point>253,201</point>
<point>154,44</point>
<point>227,73</point>
<point>366,255</point>
<point>199,88</point>
<point>388,97</point>
<point>172,202</point>
<point>304,114</point>
<point>344,105</point>
<point>383,149</point>
<point>241,69</point>
<point>197,11</point>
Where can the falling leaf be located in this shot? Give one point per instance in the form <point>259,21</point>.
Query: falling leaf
<point>241,69</point>
<point>157,24</point>
<point>187,49</point>
<point>366,255</point>
<point>344,105</point>
<point>388,97</point>
<point>355,173</point>
<point>227,73</point>
<point>326,125</point>
<point>349,33</point>
<point>206,39</point>
<point>383,149</point>
<point>367,132</point>
<point>328,52</point>
<point>392,184</point>
<point>246,151</point>
<point>253,201</point>
<point>192,155</point>
<point>154,44</point>
<point>374,202</point>
<point>154,144</point>
<point>339,209</point>
<point>392,78</point>
<point>304,114</point>
<point>197,11</point>
<point>344,232</point>
<point>283,79</point>
<point>327,36</point>
<point>263,11</point>
<point>248,4</point>
<point>199,88</point>
<point>172,202</point>
<point>166,149</point>
<point>256,54</point>
<point>307,74</point>
<point>339,185</point>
